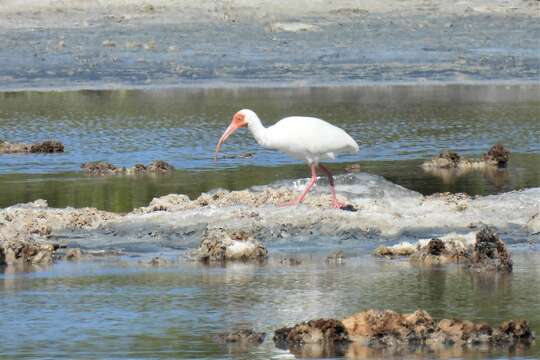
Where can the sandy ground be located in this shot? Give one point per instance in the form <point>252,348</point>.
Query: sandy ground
<point>102,44</point>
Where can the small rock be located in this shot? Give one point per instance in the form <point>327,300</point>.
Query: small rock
<point>49,146</point>
<point>73,254</point>
<point>490,253</point>
<point>220,245</point>
<point>108,43</point>
<point>320,331</point>
<point>497,155</point>
<point>101,168</point>
<point>337,257</point>
<point>160,166</point>
<point>291,261</point>
<point>243,336</point>
<point>353,168</point>
<point>402,249</point>
<point>292,27</point>
<point>150,45</point>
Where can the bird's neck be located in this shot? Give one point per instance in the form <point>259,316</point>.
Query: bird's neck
<point>259,131</point>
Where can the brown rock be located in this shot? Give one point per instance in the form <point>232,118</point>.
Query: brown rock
<point>437,251</point>
<point>497,155</point>
<point>386,327</point>
<point>73,254</point>
<point>160,166</point>
<point>48,146</point>
<point>320,331</point>
<point>100,168</point>
<point>244,336</point>
<point>219,245</point>
<point>513,331</point>
<point>456,332</point>
<point>19,252</point>
<point>490,253</point>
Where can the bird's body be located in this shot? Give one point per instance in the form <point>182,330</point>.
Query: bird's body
<point>305,138</point>
<point>309,139</point>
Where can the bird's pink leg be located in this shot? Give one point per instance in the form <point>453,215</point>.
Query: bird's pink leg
<point>335,203</point>
<point>308,187</point>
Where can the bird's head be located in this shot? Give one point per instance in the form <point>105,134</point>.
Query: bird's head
<point>240,119</point>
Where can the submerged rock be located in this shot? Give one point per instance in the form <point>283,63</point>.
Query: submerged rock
<point>248,336</point>
<point>101,168</point>
<point>497,156</point>
<point>389,329</point>
<point>490,253</point>
<point>220,245</point>
<point>320,331</point>
<point>160,166</point>
<point>105,168</point>
<point>49,146</point>
<point>73,254</point>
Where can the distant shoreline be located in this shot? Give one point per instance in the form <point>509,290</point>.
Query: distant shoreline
<point>134,44</point>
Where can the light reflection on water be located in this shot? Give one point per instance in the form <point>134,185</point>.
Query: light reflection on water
<point>123,310</point>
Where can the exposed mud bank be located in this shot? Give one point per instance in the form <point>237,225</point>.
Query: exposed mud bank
<point>385,210</point>
<point>389,329</point>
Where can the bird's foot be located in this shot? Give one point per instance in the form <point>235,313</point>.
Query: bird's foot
<point>338,204</point>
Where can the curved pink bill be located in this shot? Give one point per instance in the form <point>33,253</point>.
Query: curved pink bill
<point>231,129</point>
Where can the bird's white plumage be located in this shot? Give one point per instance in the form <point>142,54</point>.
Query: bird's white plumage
<point>309,138</point>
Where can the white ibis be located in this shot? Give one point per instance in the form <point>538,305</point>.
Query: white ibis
<point>305,138</point>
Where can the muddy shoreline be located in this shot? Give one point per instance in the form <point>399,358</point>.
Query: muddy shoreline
<point>179,43</point>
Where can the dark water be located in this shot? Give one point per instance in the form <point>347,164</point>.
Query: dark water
<point>120,310</point>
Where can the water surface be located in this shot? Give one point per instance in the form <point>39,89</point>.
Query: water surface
<point>118,309</point>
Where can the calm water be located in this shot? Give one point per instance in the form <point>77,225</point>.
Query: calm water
<point>396,127</point>
<point>117,309</point>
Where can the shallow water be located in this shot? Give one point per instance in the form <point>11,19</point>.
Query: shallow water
<point>124,193</point>
<point>182,126</point>
<point>395,125</point>
<point>119,309</point>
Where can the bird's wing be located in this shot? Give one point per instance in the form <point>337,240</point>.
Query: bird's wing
<point>307,134</point>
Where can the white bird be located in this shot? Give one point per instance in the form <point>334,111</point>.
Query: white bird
<point>305,138</point>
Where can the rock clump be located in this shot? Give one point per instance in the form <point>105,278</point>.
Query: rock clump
<point>483,251</point>
<point>490,253</point>
<point>49,146</point>
<point>26,252</point>
<point>389,329</point>
<point>497,156</point>
<point>320,331</point>
<point>26,229</point>
<point>100,168</point>
<point>221,245</point>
